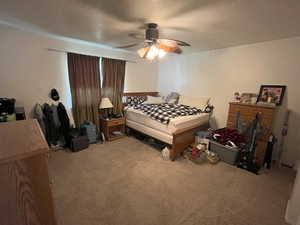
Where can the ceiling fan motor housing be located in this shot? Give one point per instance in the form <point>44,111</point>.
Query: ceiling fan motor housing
<point>152,31</point>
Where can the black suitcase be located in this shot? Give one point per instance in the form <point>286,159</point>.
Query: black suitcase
<point>79,143</point>
<point>7,105</point>
<point>76,141</point>
<point>20,113</point>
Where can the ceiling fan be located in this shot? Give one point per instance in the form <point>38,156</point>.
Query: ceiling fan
<point>154,46</point>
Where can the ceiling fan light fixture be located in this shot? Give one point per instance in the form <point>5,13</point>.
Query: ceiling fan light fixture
<point>153,52</point>
<point>155,47</point>
<point>161,53</point>
<point>143,52</point>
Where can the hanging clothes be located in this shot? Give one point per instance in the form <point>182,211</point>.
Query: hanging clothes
<point>64,119</point>
<point>54,122</point>
<point>39,115</point>
<point>57,124</point>
<point>55,116</point>
<point>51,136</point>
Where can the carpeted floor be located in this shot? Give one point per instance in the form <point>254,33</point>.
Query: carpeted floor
<point>125,182</point>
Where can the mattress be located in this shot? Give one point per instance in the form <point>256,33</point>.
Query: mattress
<point>167,138</point>
<point>175,124</point>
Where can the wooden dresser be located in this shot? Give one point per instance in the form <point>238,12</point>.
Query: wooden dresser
<point>25,194</point>
<point>247,113</point>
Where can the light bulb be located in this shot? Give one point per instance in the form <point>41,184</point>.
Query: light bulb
<point>142,52</point>
<point>161,53</point>
<point>153,52</point>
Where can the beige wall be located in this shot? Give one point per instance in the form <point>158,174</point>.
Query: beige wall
<point>220,73</point>
<point>29,71</point>
<point>141,76</point>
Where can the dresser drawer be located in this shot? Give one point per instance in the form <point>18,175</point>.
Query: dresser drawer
<point>251,111</point>
<point>114,122</point>
<point>266,121</point>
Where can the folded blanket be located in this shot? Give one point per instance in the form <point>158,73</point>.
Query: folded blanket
<point>164,112</point>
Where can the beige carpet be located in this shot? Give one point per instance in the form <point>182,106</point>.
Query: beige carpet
<point>126,182</point>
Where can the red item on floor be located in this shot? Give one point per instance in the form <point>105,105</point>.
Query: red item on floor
<point>227,134</point>
<point>195,153</point>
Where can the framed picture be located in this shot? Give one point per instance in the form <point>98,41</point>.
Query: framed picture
<point>272,94</point>
<point>248,98</point>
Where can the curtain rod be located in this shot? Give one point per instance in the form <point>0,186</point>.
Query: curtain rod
<point>64,51</point>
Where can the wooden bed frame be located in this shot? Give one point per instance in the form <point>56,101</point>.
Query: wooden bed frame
<point>181,138</point>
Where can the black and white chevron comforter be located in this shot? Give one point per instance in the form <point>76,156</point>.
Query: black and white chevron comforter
<point>164,112</point>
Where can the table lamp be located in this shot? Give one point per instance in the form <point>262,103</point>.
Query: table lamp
<point>105,104</point>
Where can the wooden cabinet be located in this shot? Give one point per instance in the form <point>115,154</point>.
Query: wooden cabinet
<point>247,113</point>
<point>111,125</point>
<point>25,193</point>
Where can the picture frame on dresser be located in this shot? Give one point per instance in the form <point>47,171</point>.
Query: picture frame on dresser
<point>271,94</point>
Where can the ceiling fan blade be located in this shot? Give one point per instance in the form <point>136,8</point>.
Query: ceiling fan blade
<point>171,41</point>
<point>138,36</point>
<point>182,43</point>
<point>167,42</point>
<point>168,48</point>
<point>177,28</point>
<point>128,46</point>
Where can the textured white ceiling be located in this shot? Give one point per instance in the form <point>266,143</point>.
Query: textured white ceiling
<point>205,24</point>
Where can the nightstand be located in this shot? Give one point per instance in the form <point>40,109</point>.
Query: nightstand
<point>112,125</point>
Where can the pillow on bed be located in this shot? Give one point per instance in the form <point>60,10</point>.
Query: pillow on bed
<point>199,103</point>
<point>172,98</point>
<point>135,100</point>
<point>172,101</point>
<point>154,100</point>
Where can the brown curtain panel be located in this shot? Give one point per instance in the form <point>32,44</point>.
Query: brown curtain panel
<point>84,76</point>
<point>113,71</point>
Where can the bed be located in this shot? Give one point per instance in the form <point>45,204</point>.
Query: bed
<point>179,132</point>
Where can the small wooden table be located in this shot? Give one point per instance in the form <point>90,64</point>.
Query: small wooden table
<point>108,126</point>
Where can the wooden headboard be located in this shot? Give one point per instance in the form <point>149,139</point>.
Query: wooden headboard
<point>140,93</point>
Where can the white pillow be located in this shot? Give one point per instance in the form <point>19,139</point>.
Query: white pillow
<point>172,101</point>
<point>154,100</point>
<point>199,103</point>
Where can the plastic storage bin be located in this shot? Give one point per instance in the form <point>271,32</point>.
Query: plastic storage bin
<point>226,154</point>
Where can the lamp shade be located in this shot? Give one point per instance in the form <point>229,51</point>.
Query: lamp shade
<point>105,103</point>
